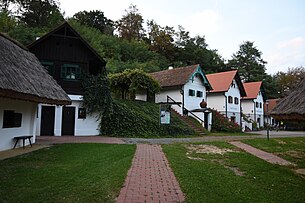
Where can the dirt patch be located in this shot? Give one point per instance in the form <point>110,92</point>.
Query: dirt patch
<point>301,171</point>
<point>281,142</point>
<point>236,170</point>
<point>207,149</point>
<point>296,154</point>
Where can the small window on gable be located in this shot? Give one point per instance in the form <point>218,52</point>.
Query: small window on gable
<point>199,94</point>
<point>232,84</point>
<point>81,113</point>
<point>236,100</point>
<point>230,99</point>
<point>191,92</point>
<point>260,105</point>
<point>49,66</point>
<point>256,104</point>
<point>70,72</point>
<point>11,119</point>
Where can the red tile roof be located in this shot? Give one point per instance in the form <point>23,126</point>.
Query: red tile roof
<point>252,89</point>
<point>271,104</point>
<point>174,77</point>
<point>221,81</point>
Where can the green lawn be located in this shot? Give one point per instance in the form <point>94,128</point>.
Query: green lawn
<point>291,149</point>
<point>66,173</point>
<point>232,177</point>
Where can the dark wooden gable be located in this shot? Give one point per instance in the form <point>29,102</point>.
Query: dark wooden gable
<point>68,57</point>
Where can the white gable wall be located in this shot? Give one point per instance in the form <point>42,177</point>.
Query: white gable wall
<point>233,110</point>
<point>251,111</point>
<point>28,111</point>
<point>193,102</point>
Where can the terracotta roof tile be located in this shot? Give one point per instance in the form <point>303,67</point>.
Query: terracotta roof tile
<point>252,89</point>
<point>174,77</point>
<point>221,81</point>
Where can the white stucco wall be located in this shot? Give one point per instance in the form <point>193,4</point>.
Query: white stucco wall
<point>193,102</point>
<point>174,94</point>
<point>219,102</point>
<point>254,113</point>
<point>83,127</point>
<point>216,101</point>
<point>28,111</point>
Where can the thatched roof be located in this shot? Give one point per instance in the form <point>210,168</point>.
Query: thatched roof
<point>291,107</point>
<point>23,77</point>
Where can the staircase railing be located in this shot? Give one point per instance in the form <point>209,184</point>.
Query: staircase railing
<point>184,109</point>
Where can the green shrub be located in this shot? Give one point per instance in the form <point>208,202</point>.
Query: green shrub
<point>140,119</point>
<point>221,123</point>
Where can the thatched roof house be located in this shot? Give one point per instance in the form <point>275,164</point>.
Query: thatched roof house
<point>292,107</point>
<point>23,77</point>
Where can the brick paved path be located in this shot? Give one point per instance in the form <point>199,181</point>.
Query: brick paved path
<point>269,157</point>
<point>150,178</point>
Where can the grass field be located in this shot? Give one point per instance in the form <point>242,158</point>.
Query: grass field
<point>66,173</point>
<point>232,177</point>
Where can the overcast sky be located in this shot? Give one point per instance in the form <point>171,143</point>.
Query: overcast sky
<point>277,27</point>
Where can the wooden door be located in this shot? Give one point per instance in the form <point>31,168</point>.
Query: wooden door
<point>68,120</point>
<point>206,120</point>
<point>47,120</point>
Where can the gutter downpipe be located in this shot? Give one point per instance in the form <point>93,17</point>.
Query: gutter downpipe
<point>226,100</point>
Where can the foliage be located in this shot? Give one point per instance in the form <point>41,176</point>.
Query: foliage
<point>140,119</point>
<point>7,21</point>
<point>97,96</point>
<point>130,26</point>
<point>66,173</point>
<point>161,40</point>
<point>41,13</point>
<point>232,177</point>
<point>221,123</point>
<point>249,63</point>
<point>95,19</point>
<point>289,80</point>
<point>129,82</point>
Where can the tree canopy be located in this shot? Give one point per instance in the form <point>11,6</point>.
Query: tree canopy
<point>248,60</point>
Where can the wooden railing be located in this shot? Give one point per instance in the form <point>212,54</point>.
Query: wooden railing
<point>184,109</point>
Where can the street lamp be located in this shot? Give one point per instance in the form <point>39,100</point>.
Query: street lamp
<point>267,112</point>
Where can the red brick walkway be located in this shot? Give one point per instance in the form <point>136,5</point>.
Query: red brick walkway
<point>150,178</point>
<point>271,158</point>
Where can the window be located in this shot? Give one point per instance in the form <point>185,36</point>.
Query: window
<point>11,119</point>
<point>199,94</point>
<point>49,66</point>
<point>70,72</point>
<point>81,113</point>
<point>230,99</point>
<point>260,105</point>
<point>191,92</point>
<point>232,84</point>
<point>236,100</point>
<point>256,104</point>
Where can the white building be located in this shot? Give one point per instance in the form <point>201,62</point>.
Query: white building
<point>68,58</point>
<point>253,104</point>
<point>226,94</point>
<point>23,84</point>
<point>186,86</point>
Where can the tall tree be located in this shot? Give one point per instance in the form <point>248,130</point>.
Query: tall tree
<point>161,40</point>
<point>248,60</point>
<point>130,26</point>
<point>40,13</point>
<point>7,21</point>
<point>290,79</point>
<point>95,19</point>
